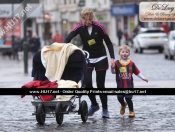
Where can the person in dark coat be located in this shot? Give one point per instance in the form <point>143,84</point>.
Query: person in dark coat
<point>15,47</point>
<point>34,44</point>
<point>136,30</point>
<point>119,35</point>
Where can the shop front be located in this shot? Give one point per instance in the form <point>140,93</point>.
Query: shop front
<point>126,16</point>
<point>13,24</point>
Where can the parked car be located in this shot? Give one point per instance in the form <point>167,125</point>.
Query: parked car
<point>150,38</point>
<point>169,49</point>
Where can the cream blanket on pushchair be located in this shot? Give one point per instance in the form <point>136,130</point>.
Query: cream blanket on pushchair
<point>54,58</point>
<point>67,84</point>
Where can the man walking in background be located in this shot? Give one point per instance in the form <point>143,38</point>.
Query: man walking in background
<point>119,35</point>
<point>15,47</point>
<point>35,44</point>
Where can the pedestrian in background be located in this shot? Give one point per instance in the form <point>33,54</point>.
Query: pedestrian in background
<point>28,38</point>
<point>126,37</point>
<point>119,35</point>
<point>34,44</point>
<point>16,47</point>
<point>20,51</point>
<point>92,34</point>
<point>57,38</point>
<point>136,30</point>
<point>124,68</point>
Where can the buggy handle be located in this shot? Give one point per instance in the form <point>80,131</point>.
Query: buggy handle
<point>86,53</point>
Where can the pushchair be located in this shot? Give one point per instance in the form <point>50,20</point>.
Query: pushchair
<point>75,70</point>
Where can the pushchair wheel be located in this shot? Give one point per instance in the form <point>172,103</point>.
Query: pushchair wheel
<point>36,114</point>
<point>58,113</point>
<point>84,111</point>
<point>41,115</point>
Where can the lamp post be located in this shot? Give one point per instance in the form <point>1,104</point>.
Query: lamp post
<point>26,43</point>
<point>12,26</point>
<point>44,35</point>
<point>61,20</point>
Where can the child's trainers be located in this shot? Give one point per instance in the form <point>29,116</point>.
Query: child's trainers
<point>131,114</point>
<point>122,110</point>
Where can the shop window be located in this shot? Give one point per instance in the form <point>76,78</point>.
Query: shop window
<point>118,20</point>
<point>118,24</point>
<point>132,23</point>
<point>60,2</point>
<point>29,22</point>
<point>125,23</point>
<point>56,1</point>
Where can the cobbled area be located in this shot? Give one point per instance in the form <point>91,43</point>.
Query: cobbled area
<point>153,114</point>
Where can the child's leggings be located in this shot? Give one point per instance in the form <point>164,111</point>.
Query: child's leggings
<point>128,100</point>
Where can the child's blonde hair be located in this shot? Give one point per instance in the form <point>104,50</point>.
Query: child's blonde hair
<point>123,47</point>
<point>87,12</point>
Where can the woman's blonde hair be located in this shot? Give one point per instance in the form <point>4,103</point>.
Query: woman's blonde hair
<point>123,47</point>
<point>87,12</point>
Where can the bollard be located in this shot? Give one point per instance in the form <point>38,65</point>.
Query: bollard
<point>25,49</point>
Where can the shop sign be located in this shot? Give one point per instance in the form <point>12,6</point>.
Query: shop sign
<point>124,10</point>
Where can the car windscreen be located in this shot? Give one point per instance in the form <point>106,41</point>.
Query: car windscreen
<point>172,37</point>
<point>153,31</point>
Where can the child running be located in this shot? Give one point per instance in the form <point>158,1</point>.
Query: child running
<point>124,68</point>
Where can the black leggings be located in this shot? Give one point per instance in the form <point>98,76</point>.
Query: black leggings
<point>128,100</point>
<point>100,79</point>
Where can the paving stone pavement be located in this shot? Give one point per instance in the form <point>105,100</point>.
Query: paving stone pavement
<point>153,114</point>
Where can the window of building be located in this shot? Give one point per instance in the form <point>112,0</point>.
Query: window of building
<point>132,23</point>
<point>56,1</point>
<point>45,3</point>
<point>125,18</point>
<point>61,2</point>
<point>118,23</point>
